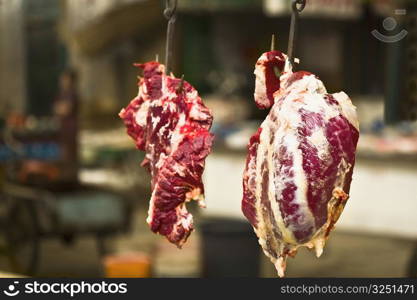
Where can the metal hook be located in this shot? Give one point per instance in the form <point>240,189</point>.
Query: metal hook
<point>170,8</point>
<point>302,4</point>
<point>170,15</point>
<point>297,7</point>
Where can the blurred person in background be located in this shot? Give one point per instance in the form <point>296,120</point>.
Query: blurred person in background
<point>66,110</point>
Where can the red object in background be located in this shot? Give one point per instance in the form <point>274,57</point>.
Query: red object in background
<point>300,162</point>
<point>30,149</point>
<point>15,120</point>
<point>35,171</point>
<point>169,121</point>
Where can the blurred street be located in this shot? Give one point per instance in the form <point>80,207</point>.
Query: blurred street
<point>347,254</point>
<point>74,197</point>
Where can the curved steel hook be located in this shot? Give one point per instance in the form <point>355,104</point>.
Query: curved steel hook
<point>170,8</point>
<point>297,7</point>
<point>295,4</point>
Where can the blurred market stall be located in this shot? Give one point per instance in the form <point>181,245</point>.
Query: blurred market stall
<point>216,45</point>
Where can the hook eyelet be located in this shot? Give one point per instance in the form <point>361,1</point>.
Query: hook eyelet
<point>171,8</point>
<point>298,5</point>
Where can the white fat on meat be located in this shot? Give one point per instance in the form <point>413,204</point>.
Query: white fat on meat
<point>280,130</point>
<point>185,131</point>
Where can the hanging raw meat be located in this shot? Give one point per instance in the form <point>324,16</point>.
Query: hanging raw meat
<point>169,121</point>
<point>300,162</point>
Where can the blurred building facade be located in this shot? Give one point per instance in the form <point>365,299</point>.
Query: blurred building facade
<point>104,39</point>
<point>12,50</point>
<point>216,45</point>
<point>31,55</point>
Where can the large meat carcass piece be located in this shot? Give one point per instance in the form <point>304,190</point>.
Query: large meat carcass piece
<point>300,161</point>
<point>169,121</point>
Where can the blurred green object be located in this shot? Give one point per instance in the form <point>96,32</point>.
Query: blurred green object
<point>197,55</point>
<point>109,155</point>
<point>219,4</point>
<point>105,156</point>
<point>89,211</point>
<point>394,93</point>
<point>401,88</point>
<point>43,64</point>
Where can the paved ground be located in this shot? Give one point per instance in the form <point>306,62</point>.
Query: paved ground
<point>346,255</point>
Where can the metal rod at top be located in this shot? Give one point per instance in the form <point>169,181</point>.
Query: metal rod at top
<point>273,42</point>
<point>297,6</point>
<point>170,14</point>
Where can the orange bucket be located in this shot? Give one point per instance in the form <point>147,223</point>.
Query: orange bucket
<point>129,265</point>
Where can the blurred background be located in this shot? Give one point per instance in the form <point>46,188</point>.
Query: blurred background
<point>73,198</point>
